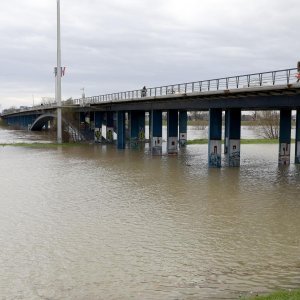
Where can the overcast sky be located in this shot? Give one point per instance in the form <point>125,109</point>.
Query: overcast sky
<point>118,45</point>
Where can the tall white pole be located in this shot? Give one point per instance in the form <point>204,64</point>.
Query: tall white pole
<point>58,78</point>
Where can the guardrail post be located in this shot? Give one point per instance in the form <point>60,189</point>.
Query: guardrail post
<point>215,138</point>
<point>285,137</point>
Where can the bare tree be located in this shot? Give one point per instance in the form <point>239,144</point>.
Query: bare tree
<point>268,122</point>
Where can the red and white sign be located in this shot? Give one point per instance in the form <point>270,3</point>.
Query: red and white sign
<point>63,71</point>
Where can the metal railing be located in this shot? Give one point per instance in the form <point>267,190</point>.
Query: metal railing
<point>278,77</point>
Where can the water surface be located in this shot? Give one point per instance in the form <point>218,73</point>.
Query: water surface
<point>92,222</point>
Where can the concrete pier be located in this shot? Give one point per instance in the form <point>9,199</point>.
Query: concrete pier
<point>183,127</point>
<point>172,131</point>
<point>297,138</point>
<point>234,137</point>
<point>156,132</point>
<point>109,126</point>
<point>226,132</point>
<point>121,130</point>
<point>136,126</point>
<point>285,137</point>
<point>98,119</point>
<point>215,137</point>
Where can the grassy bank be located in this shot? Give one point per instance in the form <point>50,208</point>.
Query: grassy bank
<point>42,145</point>
<point>281,295</point>
<point>189,142</point>
<point>243,141</point>
<point>2,123</point>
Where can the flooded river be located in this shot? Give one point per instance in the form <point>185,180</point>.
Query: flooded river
<point>92,222</point>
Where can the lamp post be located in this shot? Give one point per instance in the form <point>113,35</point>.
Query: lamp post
<point>58,78</point>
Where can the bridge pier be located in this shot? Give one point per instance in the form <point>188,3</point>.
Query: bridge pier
<point>82,121</point>
<point>156,132</point>
<point>297,139</point>
<point>136,126</point>
<point>284,137</point>
<point>121,130</point>
<point>215,137</point>
<point>183,127</point>
<point>109,126</point>
<point>98,117</point>
<point>172,131</point>
<point>234,137</point>
<point>226,132</point>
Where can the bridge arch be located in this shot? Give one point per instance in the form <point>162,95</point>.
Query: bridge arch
<point>42,120</point>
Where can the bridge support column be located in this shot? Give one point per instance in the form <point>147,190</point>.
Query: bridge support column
<point>226,133</point>
<point>82,121</point>
<point>215,137</point>
<point>156,132</point>
<point>109,126</point>
<point>136,126</point>
<point>121,130</point>
<point>183,127</point>
<point>297,139</point>
<point>172,131</point>
<point>285,137</point>
<point>98,126</point>
<point>234,137</point>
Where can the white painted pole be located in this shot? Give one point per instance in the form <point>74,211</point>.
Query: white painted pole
<point>58,78</point>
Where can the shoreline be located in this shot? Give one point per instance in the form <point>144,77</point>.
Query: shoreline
<point>189,142</point>
<point>279,295</point>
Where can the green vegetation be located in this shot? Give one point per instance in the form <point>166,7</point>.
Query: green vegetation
<point>2,123</point>
<point>281,295</point>
<point>259,141</point>
<point>43,145</point>
<point>197,141</point>
<point>243,141</point>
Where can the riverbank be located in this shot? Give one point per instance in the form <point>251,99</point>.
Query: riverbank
<point>243,141</point>
<point>189,142</point>
<point>2,123</point>
<point>42,145</point>
<point>281,295</point>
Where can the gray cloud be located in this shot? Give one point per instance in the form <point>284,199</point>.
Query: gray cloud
<point>114,45</point>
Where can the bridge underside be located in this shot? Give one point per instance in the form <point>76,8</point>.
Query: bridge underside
<point>42,121</point>
<point>38,125</point>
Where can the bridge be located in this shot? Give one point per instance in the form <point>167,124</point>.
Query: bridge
<point>274,90</point>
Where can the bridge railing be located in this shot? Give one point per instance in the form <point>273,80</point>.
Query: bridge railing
<point>272,78</point>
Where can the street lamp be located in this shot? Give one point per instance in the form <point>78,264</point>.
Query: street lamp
<point>83,94</point>
<point>58,78</point>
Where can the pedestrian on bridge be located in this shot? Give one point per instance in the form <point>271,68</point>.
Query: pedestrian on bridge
<point>144,91</point>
